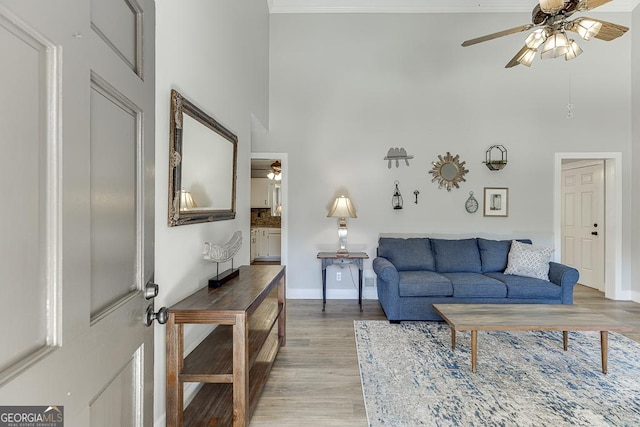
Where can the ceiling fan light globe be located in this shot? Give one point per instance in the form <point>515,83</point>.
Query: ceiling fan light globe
<point>574,50</point>
<point>551,6</point>
<point>556,45</point>
<point>527,57</point>
<point>536,38</point>
<point>588,29</point>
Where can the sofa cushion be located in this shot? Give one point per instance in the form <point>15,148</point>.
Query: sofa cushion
<point>473,285</point>
<point>528,260</point>
<point>424,284</point>
<point>453,256</point>
<point>407,254</point>
<point>494,253</point>
<point>528,287</point>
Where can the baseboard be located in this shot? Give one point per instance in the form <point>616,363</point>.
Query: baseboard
<point>331,294</point>
<point>635,296</point>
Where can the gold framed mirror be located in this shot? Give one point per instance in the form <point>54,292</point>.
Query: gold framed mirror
<point>203,157</point>
<point>448,171</point>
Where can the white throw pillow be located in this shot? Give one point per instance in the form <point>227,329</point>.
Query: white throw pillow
<point>528,260</point>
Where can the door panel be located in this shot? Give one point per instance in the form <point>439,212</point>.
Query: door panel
<point>114,171</point>
<point>27,82</point>
<point>119,24</point>
<point>82,231</point>
<point>121,396</point>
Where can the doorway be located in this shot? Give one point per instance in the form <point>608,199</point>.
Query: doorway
<point>583,220</point>
<point>611,226</point>
<point>268,208</point>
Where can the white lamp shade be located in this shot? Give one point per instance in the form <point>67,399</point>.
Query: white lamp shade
<point>588,28</point>
<point>574,50</point>
<point>556,45</point>
<point>275,176</point>
<point>186,201</point>
<point>527,57</point>
<point>536,38</point>
<point>551,6</point>
<point>342,208</point>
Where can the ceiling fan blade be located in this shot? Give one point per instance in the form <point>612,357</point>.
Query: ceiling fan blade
<point>608,32</point>
<point>498,34</point>
<point>590,4</point>
<point>514,60</point>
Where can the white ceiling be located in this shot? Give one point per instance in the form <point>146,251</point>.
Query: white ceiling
<point>422,6</point>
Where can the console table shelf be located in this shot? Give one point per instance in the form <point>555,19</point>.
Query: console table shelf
<point>235,359</point>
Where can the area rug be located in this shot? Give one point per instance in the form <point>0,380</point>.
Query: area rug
<point>411,377</point>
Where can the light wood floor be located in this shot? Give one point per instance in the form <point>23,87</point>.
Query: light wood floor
<point>315,380</point>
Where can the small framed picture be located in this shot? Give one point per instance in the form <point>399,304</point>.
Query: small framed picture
<point>496,201</point>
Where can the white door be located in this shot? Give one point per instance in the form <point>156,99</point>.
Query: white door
<point>77,226</point>
<point>583,220</point>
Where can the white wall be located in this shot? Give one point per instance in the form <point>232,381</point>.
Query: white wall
<point>635,190</point>
<point>216,54</point>
<point>344,88</point>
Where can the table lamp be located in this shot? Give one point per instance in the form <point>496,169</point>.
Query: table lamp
<point>342,208</point>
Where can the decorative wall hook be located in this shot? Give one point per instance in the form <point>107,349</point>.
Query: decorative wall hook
<point>397,154</point>
<point>415,193</point>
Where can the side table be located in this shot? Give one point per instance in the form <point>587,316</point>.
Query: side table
<point>330,258</point>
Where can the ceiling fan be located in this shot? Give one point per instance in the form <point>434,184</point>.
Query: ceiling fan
<point>550,18</point>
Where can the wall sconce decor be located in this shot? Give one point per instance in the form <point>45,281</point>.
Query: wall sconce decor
<point>496,163</point>
<point>397,154</point>
<point>396,200</point>
<point>342,208</point>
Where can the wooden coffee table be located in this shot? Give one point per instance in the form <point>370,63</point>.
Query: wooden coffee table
<point>527,317</point>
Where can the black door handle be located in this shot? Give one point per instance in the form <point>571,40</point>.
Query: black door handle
<point>594,233</point>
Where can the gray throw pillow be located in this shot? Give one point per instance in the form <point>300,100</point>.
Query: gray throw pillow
<point>528,260</point>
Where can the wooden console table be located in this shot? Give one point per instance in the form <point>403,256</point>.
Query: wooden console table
<point>236,357</point>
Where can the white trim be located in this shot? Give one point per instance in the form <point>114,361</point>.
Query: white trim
<point>613,215</point>
<point>420,6</point>
<point>284,188</point>
<point>332,294</point>
<point>582,164</point>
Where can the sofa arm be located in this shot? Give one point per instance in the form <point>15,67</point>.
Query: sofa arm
<point>385,270</point>
<point>566,277</point>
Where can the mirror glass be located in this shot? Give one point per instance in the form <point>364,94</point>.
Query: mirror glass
<point>202,166</point>
<point>448,171</point>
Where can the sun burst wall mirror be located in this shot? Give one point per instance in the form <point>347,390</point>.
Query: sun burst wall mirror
<point>448,171</point>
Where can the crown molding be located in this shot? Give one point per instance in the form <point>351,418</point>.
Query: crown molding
<point>422,6</point>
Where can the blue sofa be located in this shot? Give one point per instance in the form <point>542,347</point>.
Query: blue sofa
<point>414,273</point>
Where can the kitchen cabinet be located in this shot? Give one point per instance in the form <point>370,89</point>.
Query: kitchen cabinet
<point>253,244</point>
<point>268,243</point>
<point>260,193</point>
